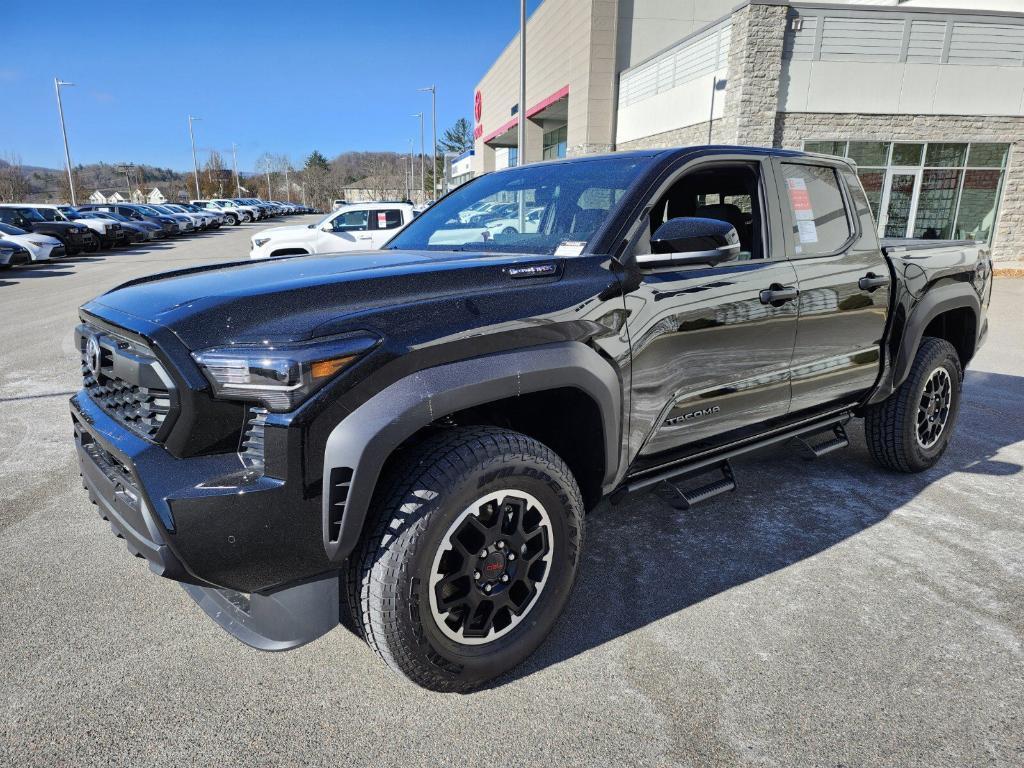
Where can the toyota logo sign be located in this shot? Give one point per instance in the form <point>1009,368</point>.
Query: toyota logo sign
<point>93,356</point>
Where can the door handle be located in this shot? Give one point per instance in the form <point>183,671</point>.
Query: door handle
<point>363,237</point>
<point>777,294</point>
<point>872,282</point>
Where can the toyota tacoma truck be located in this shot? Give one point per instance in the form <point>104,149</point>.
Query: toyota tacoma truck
<point>407,440</point>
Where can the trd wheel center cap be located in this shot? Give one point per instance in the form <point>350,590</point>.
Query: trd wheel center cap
<point>493,566</point>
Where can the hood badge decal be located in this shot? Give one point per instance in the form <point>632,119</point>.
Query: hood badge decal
<point>533,270</point>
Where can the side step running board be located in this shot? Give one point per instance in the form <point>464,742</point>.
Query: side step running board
<point>684,499</point>
<point>815,450</point>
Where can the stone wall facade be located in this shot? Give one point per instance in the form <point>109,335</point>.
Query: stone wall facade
<point>755,71</point>
<point>721,133</point>
<point>793,128</point>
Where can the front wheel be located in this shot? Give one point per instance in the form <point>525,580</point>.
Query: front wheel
<point>470,558</point>
<point>911,429</point>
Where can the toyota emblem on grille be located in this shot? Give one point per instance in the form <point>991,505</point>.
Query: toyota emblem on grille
<point>93,356</point>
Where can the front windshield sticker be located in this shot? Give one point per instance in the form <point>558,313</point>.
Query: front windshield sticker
<point>570,248</point>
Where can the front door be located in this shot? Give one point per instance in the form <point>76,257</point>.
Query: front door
<point>711,351</point>
<point>899,202</point>
<point>347,231</point>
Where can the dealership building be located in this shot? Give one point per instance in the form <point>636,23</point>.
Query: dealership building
<point>927,97</point>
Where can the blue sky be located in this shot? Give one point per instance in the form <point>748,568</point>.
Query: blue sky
<point>285,76</point>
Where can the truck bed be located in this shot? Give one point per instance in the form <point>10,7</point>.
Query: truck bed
<point>894,246</point>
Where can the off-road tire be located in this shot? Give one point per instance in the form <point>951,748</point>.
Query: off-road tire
<point>891,426</point>
<point>388,579</point>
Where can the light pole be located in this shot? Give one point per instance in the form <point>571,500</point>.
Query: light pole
<point>57,83</point>
<point>410,170</point>
<point>234,166</point>
<point>287,185</point>
<point>521,151</point>
<point>422,185</point>
<point>195,163</point>
<point>433,128</point>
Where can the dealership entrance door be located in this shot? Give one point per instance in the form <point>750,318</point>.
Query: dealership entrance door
<point>900,194</point>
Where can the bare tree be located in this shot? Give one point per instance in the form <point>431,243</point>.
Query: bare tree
<point>14,185</point>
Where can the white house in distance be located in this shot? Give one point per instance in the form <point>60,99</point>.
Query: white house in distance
<point>154,197</point>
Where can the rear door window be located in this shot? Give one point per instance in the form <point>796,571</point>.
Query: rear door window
<point>390,218</point>
<point>821,223</point>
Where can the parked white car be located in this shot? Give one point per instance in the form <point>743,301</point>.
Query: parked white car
<point>357,227</point>
<point>233,215</point>
<point>202,219</point>
<point>40,247</point>
<point>510,225</point>
<point>249,212</point>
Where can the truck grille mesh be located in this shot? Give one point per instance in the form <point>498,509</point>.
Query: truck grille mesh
<point>141,409</point>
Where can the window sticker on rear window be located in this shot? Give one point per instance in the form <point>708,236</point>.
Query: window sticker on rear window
<point>382,220</point>
<point>800,199</point>
<point>807,231</point>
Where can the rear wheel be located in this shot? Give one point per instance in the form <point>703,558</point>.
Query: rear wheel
<point>911,429</point>
<point>471,557</point>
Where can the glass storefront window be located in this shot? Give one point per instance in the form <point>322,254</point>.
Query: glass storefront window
<point>837,148</point>
<point>955,194</point>
<point>936,204</point>
<point>945,155</point>
<point>868,152</point>
<point>555,143</point>
<point>906,154</point>
<point>987,155</point>
<point>977,213</point>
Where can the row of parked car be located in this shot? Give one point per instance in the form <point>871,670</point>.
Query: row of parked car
<point>33,232</point>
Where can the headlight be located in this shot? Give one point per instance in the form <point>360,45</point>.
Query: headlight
<point>279,376</point>
<point>79,230</point>
<point>260,241</point>
<point>39,243</point>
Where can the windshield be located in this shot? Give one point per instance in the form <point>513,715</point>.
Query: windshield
<point>33,215</point>
<point>562,205</point>
<point>48,214</point>
<point>148,211</point>
<point>7,229</point>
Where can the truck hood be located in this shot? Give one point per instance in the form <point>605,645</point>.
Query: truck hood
<point>297,298</point>
<point>287,229</point>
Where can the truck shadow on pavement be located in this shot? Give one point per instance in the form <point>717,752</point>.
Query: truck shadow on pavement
<point>643,560</point>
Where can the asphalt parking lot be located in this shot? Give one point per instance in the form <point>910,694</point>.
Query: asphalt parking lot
<point>828,613</point>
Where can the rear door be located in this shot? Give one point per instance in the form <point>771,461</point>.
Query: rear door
<point>843,280</point>
<point>384,223</point>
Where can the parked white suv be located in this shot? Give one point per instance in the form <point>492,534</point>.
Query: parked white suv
<point>356,227</point>
<point>233,215</point>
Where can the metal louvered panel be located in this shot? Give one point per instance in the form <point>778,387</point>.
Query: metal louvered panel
<point>688,61</point>
<point>859,38</point>
<point>986,44</point>
<point>800,35</point>
<point>926,41</point>
<point>251,450</point>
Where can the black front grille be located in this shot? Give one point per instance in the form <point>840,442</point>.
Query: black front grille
<point>126,380</point>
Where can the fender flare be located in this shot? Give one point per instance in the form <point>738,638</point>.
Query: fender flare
<point>936,301</point>
<point>359,445</point>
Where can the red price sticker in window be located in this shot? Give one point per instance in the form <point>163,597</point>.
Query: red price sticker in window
<point>800,200</point>
<point>382,220</point>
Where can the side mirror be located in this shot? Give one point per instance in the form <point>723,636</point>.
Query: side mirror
<point>690,240</point>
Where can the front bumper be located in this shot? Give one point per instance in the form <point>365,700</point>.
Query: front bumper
<point>113,464</point>
<point>208,519</point>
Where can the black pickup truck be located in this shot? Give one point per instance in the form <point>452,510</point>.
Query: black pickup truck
<point>407,440</point>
